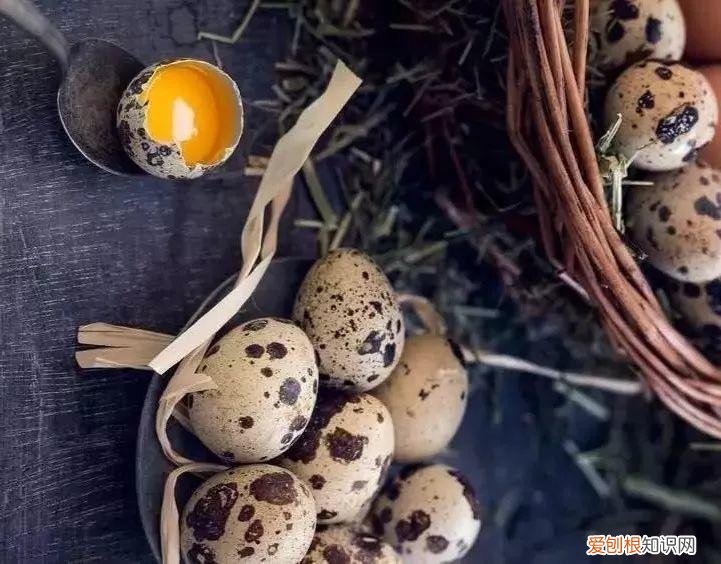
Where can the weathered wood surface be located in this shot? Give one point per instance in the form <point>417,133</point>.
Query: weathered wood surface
<point>79,245</point>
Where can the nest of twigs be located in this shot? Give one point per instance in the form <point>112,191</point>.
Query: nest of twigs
<point>548,124</point>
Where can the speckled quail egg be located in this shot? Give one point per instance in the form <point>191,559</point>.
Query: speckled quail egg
<point>677,222</point>
<point>628,31</point>
<point>180,119</point>
<point>267,385</point>
<point>348,308</point>
<point>699,305</point>
<point>669,112</point>
<point>348,545</point>
<point>255,513</point>
<point>429,514</point>
<point>344,453</point>
<point>426,396</point>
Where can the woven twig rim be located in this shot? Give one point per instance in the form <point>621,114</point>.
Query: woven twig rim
<point>548,125</point>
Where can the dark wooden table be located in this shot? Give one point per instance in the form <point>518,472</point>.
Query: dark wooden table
<point>79,245</point>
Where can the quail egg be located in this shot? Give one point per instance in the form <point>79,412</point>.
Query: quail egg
<point>700,306</point>
<point>344,453</point>
<point>711,153</point>
<point>180,119</point>
<point>267,382</point>
<point>255,513</point>
<point>429,514</point>
<point>677,222</point>
<point>628,31</point>
<point>426,396</point>
<point>348,308</point>
<point>348,545</point>
<point>668,113</point>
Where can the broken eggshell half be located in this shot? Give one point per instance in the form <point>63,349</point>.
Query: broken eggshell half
<point>179,119</point>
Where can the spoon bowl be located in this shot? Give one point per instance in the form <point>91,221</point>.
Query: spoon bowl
<point>95,74</point>
<point>95,78</point>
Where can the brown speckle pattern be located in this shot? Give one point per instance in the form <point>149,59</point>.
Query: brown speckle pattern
<point>348,308</point>
<point>675,222</point>
<point>668,112</point>
<point>267,377</point>
<point>342,453</point>
<point>201,554</point>
<point>236,515</point>
<point>276,488</point>
<point>428,510</point>
<point>700,309</point>
<point>627,31</point>
<point>348,545</point>
<point>210,513</point>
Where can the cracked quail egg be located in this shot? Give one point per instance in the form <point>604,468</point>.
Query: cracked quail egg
<point>426,396</point>
<point>267,385</point>
<point>628,31</point>
<point>180,119</point>
<point>344,453</point>
<point>348,545</point>
<point>347,307</point>
<point>255,513</point>
<point>429,514</point>
<point>677,222</point>
<point>668,113</point>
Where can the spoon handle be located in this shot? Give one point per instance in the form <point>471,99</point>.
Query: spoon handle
<point>28,17</point>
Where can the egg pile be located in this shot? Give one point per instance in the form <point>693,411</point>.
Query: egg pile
<point>311,413</point>
<point>669,114</point>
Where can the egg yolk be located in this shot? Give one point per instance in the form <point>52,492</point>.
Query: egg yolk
<point>193,108</point>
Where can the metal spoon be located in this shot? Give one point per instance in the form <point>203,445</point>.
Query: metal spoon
<point>95,74</point>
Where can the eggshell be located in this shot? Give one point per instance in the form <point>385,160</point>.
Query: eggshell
<point>426,396</point>
<point>267,382</point>
<point>164,159</point>
<point>256,513</point>
<point>699,305</point>
<point>677,222</point>
<point>628,31</point>
<point>711,153</point>
<point>347,545</point>
<point>344,453</point>
<point>669,111</point>
<point>429,514</point>
<point>349,311</point>
<point>703,22</point>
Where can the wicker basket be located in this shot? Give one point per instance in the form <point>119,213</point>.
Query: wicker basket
<point>548,125</point>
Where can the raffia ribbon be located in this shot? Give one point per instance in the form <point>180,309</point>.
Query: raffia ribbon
<point>121,347</point>
<point>434,324</point>
<point>133,348</point>
<point>169,515</point>
<point>427,313</point>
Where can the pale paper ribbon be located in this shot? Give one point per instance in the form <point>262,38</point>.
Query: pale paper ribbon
<point>432,321</point>
<point>121,347</point>
<point>169,515</point>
